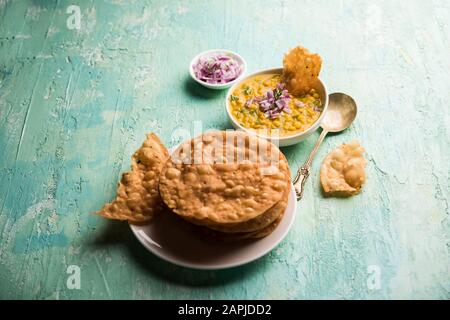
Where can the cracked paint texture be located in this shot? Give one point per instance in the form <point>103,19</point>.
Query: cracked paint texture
<point>74,104</point>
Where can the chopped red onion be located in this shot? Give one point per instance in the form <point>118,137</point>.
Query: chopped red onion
<point>274,102</point>
<point>216,69</point>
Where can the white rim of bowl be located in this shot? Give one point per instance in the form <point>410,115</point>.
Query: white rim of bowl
<point>242,60</point>
<point>280,138</point>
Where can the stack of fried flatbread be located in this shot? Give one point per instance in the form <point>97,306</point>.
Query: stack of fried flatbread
<point>233,184</point>
<point>228,184</point>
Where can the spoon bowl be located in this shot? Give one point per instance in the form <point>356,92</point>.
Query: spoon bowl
<point>340,114</point>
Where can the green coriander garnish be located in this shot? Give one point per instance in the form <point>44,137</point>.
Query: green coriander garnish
<point>247,90</point>
<point>234,98</point>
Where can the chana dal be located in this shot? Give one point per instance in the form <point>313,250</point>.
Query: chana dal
<point>262,103</point>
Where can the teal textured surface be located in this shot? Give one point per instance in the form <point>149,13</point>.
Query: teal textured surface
<point>76,103</point>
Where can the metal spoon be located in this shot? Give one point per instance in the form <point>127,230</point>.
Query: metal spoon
<point>340,114</point>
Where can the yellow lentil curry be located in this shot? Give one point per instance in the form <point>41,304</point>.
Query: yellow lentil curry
<point>263,103</point>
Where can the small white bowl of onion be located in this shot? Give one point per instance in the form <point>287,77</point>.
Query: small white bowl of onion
<point>217,69</point>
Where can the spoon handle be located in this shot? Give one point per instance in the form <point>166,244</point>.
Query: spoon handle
<point>304,170</point>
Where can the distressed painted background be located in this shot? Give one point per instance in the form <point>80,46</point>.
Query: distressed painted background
<point>74,104</point>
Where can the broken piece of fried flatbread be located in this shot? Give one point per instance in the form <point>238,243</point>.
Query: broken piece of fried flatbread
<point>342,172</point>
<point>301,69</point>
<point>138,198</point>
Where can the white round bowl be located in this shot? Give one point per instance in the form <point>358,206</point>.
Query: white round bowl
<point>287,140</point>
<point>218,86</point>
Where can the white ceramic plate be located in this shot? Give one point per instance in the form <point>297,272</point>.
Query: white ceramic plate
<point>169,239</point>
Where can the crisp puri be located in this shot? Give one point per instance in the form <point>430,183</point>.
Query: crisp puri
<point>342,171</point>
<point>301,68</point>
<point>223,177</point>
<point>138,198</point>
<point>263,220</point>
<point>256,234</point>
<point>263,231</point>
<point>231,185</point>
